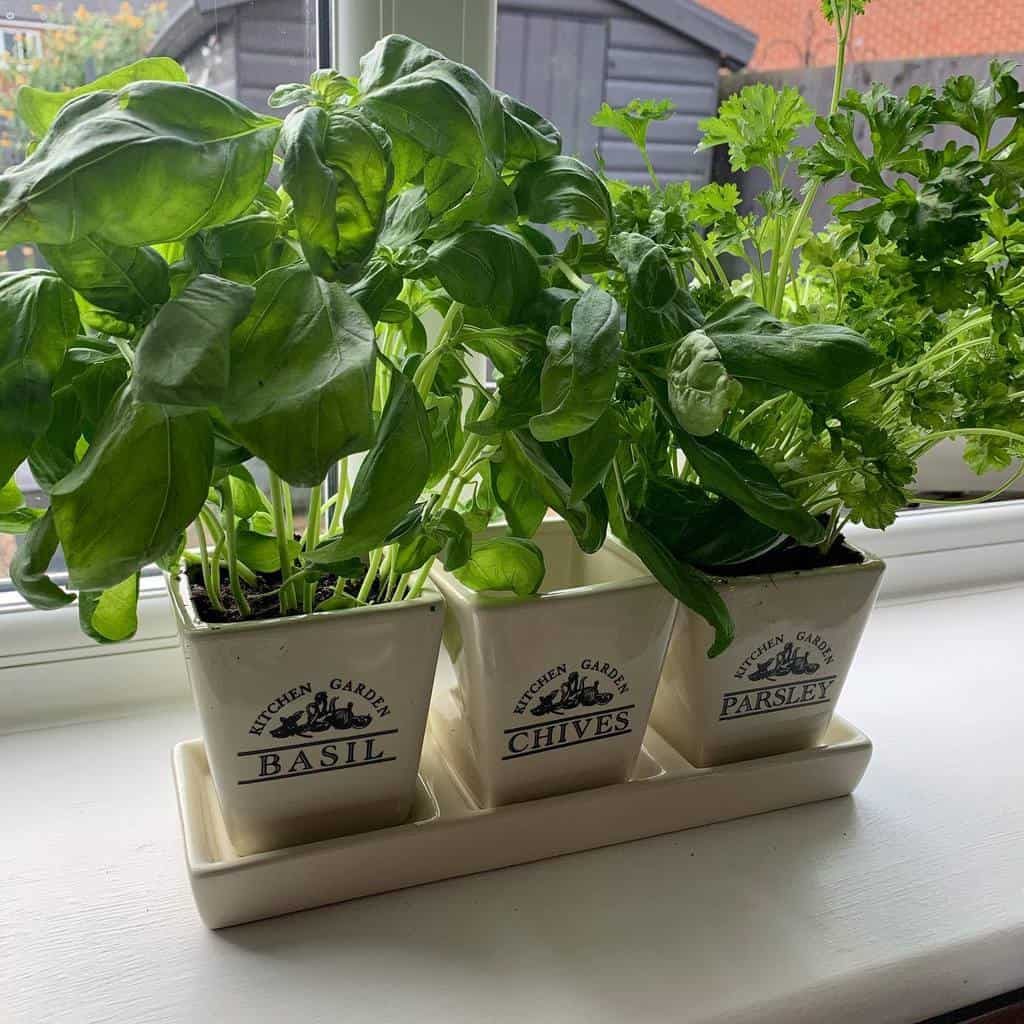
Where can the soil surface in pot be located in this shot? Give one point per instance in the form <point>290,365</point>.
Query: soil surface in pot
<point>791,558</point>
<point>261,595</point>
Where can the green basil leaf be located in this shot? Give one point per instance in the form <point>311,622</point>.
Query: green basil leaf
<point>417,548</point>
<point>446,125</point>
<point>183,355</point>
<point>84,388</point>
<point>519,400</point>
<point>172,558</point>
<point>380,285</point>
<point>562,188</point>
<point>260,553</point>
<point>131,282</point>
<point>546,469</point>
<point>524,509</point>
<point>458,545</point>
<point>504,563</point>
<point>38,320</point>
<point>338,172</point>
<point>340,600</point>
<point>700,529</point>
<point>646,327</point>
<point>111,615</point>
<point>11,497</point>
<point>94,377</point>
<point>246,498</point>
<point>406,525</point>
<point>315,344</point>
<point>30,562</point>
<point>443,413</point>
<point>810,359</point>
<point>487,266</point>
<point>735,472</point>
<point>448,533</point>
<point>685,583</point>
<point>439,107</point>
<point>648,269</point>
<point>390,478</point>
<point>145,164</point>
<point>551,308</point>
<point>581,369</point>
<point>38,108</point>
<point>477,513</point>
<point>290,93</point>
<point>700,390</point>
<point>241,250</point>
<point>592,454</point>
<point>457,194</point>
<point>141,483</point>
<point>528,135</point>
<point>406,219</point>
<point>19,520</point>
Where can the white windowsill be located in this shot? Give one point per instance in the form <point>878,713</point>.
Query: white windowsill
<point>900,903</point>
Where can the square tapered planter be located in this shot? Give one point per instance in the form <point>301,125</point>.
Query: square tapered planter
<point>775,689</point>
<point>553,692</point>
<point>312,724</point>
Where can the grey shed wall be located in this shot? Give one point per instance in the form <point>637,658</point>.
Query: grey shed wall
<point>564,57</point>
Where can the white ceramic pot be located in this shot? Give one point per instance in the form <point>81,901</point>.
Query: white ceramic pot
<point>313,724</point>
<point>553,692</point>
<point>775,688</point>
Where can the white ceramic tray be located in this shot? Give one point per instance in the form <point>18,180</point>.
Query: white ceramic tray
<point>448,835</point>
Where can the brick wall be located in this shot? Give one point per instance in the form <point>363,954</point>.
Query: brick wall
<point>793,33</point>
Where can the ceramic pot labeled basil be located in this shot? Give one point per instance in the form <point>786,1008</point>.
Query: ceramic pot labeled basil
<point>775,688</point>
<point>312,724</point>
<point>553,691</point>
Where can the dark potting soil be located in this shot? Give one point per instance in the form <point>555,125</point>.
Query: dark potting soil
<point>791,557</point>
<point>261,595</point>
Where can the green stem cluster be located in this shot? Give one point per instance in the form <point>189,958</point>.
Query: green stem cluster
<point>782,258</point>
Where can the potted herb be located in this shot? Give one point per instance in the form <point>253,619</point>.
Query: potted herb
<point>201,331</point>
<point>765,429</point>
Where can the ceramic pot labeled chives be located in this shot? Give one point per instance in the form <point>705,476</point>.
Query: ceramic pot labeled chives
<point>312,724</point>
<point>553,691</point>
<point>774,690</point>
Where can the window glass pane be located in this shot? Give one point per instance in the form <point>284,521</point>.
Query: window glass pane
<point>240,49</point>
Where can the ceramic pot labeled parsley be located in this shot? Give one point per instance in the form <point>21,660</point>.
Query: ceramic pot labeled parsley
<point>776,687</point>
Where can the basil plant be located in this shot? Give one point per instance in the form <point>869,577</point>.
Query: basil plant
<point>225,287</point>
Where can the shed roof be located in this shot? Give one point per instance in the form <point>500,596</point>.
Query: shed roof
<point>734,43</point>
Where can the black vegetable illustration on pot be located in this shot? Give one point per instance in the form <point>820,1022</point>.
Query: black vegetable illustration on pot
<point>573,693</point>
<point>321,715</point>
<point>790,661</point>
